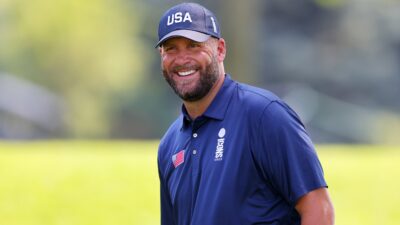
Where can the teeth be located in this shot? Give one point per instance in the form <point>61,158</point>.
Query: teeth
<point>186,73</point>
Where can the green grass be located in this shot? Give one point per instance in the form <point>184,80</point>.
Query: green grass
<point>364,182</point>
<point>78,183</point>
<point>108,183</point>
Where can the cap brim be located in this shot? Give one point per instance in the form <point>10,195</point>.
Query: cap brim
<point>190,34</point>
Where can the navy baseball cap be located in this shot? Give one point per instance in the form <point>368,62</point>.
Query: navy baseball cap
<point>189,20</point>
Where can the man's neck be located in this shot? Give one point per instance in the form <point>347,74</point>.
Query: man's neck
<point>197,108</point>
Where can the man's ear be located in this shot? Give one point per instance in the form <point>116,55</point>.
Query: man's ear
<point>221,48</point>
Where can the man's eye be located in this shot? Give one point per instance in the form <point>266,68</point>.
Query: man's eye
<point>194,45</point>
<point>169,48</point>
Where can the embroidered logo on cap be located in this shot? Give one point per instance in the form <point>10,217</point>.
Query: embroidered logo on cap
<point>177,18</point>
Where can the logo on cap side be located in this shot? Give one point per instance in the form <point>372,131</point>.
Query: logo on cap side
<point>177,18</point>
<point>214,26</point>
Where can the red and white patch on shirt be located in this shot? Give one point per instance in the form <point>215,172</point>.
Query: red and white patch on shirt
<point>178,158</point>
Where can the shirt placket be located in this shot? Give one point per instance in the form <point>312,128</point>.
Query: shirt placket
<point>195,150</point>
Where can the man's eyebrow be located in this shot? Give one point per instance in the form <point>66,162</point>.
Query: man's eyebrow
<point>167,44</point>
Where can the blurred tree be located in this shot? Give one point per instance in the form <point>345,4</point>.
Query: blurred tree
<point>344,52</point>
<point>240,24</point>
<point>86,51</point>
<point>331,57</point>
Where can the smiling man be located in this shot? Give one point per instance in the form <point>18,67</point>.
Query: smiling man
<point>237,154</point>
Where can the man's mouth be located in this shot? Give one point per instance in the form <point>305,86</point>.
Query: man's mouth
<point>186,73</point>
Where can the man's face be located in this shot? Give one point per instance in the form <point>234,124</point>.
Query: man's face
<point>190,68</point>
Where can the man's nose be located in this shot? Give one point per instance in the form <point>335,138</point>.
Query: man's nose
<point>182,56</point>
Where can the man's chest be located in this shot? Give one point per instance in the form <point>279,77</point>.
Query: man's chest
<point>208,160</point>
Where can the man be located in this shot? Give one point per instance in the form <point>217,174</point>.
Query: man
<point>237,154</point>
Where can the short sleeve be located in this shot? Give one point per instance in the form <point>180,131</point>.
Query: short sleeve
<point>285,153</point>
<point>165,200</point>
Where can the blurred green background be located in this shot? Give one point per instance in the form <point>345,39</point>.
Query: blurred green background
<point>89,69</point>
<point>75,70</point>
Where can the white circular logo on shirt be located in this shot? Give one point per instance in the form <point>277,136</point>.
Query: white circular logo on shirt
<point>221,133</point>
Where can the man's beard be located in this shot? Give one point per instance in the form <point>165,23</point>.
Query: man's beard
<point>208,77</point>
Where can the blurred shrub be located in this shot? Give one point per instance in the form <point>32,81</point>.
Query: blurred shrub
<point>85,51</point>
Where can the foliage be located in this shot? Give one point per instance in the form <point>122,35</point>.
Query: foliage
<point>321,56</point>
<point>106,183</point>
<point>85,51</point>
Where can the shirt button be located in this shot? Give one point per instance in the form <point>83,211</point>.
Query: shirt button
<point>195,135</point>
<point>194,152</point>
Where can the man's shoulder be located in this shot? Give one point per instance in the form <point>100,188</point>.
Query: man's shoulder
<point>265,103</point>
<point>255,97</point>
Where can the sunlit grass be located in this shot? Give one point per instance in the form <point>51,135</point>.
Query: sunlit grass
<point>364,183</point>
<point>78,183</point>
<point>108,183</point>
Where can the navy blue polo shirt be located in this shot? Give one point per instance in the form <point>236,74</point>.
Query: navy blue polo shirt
<point>246,160</point>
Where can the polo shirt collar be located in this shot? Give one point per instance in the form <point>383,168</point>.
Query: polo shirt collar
<point>218,107</point>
